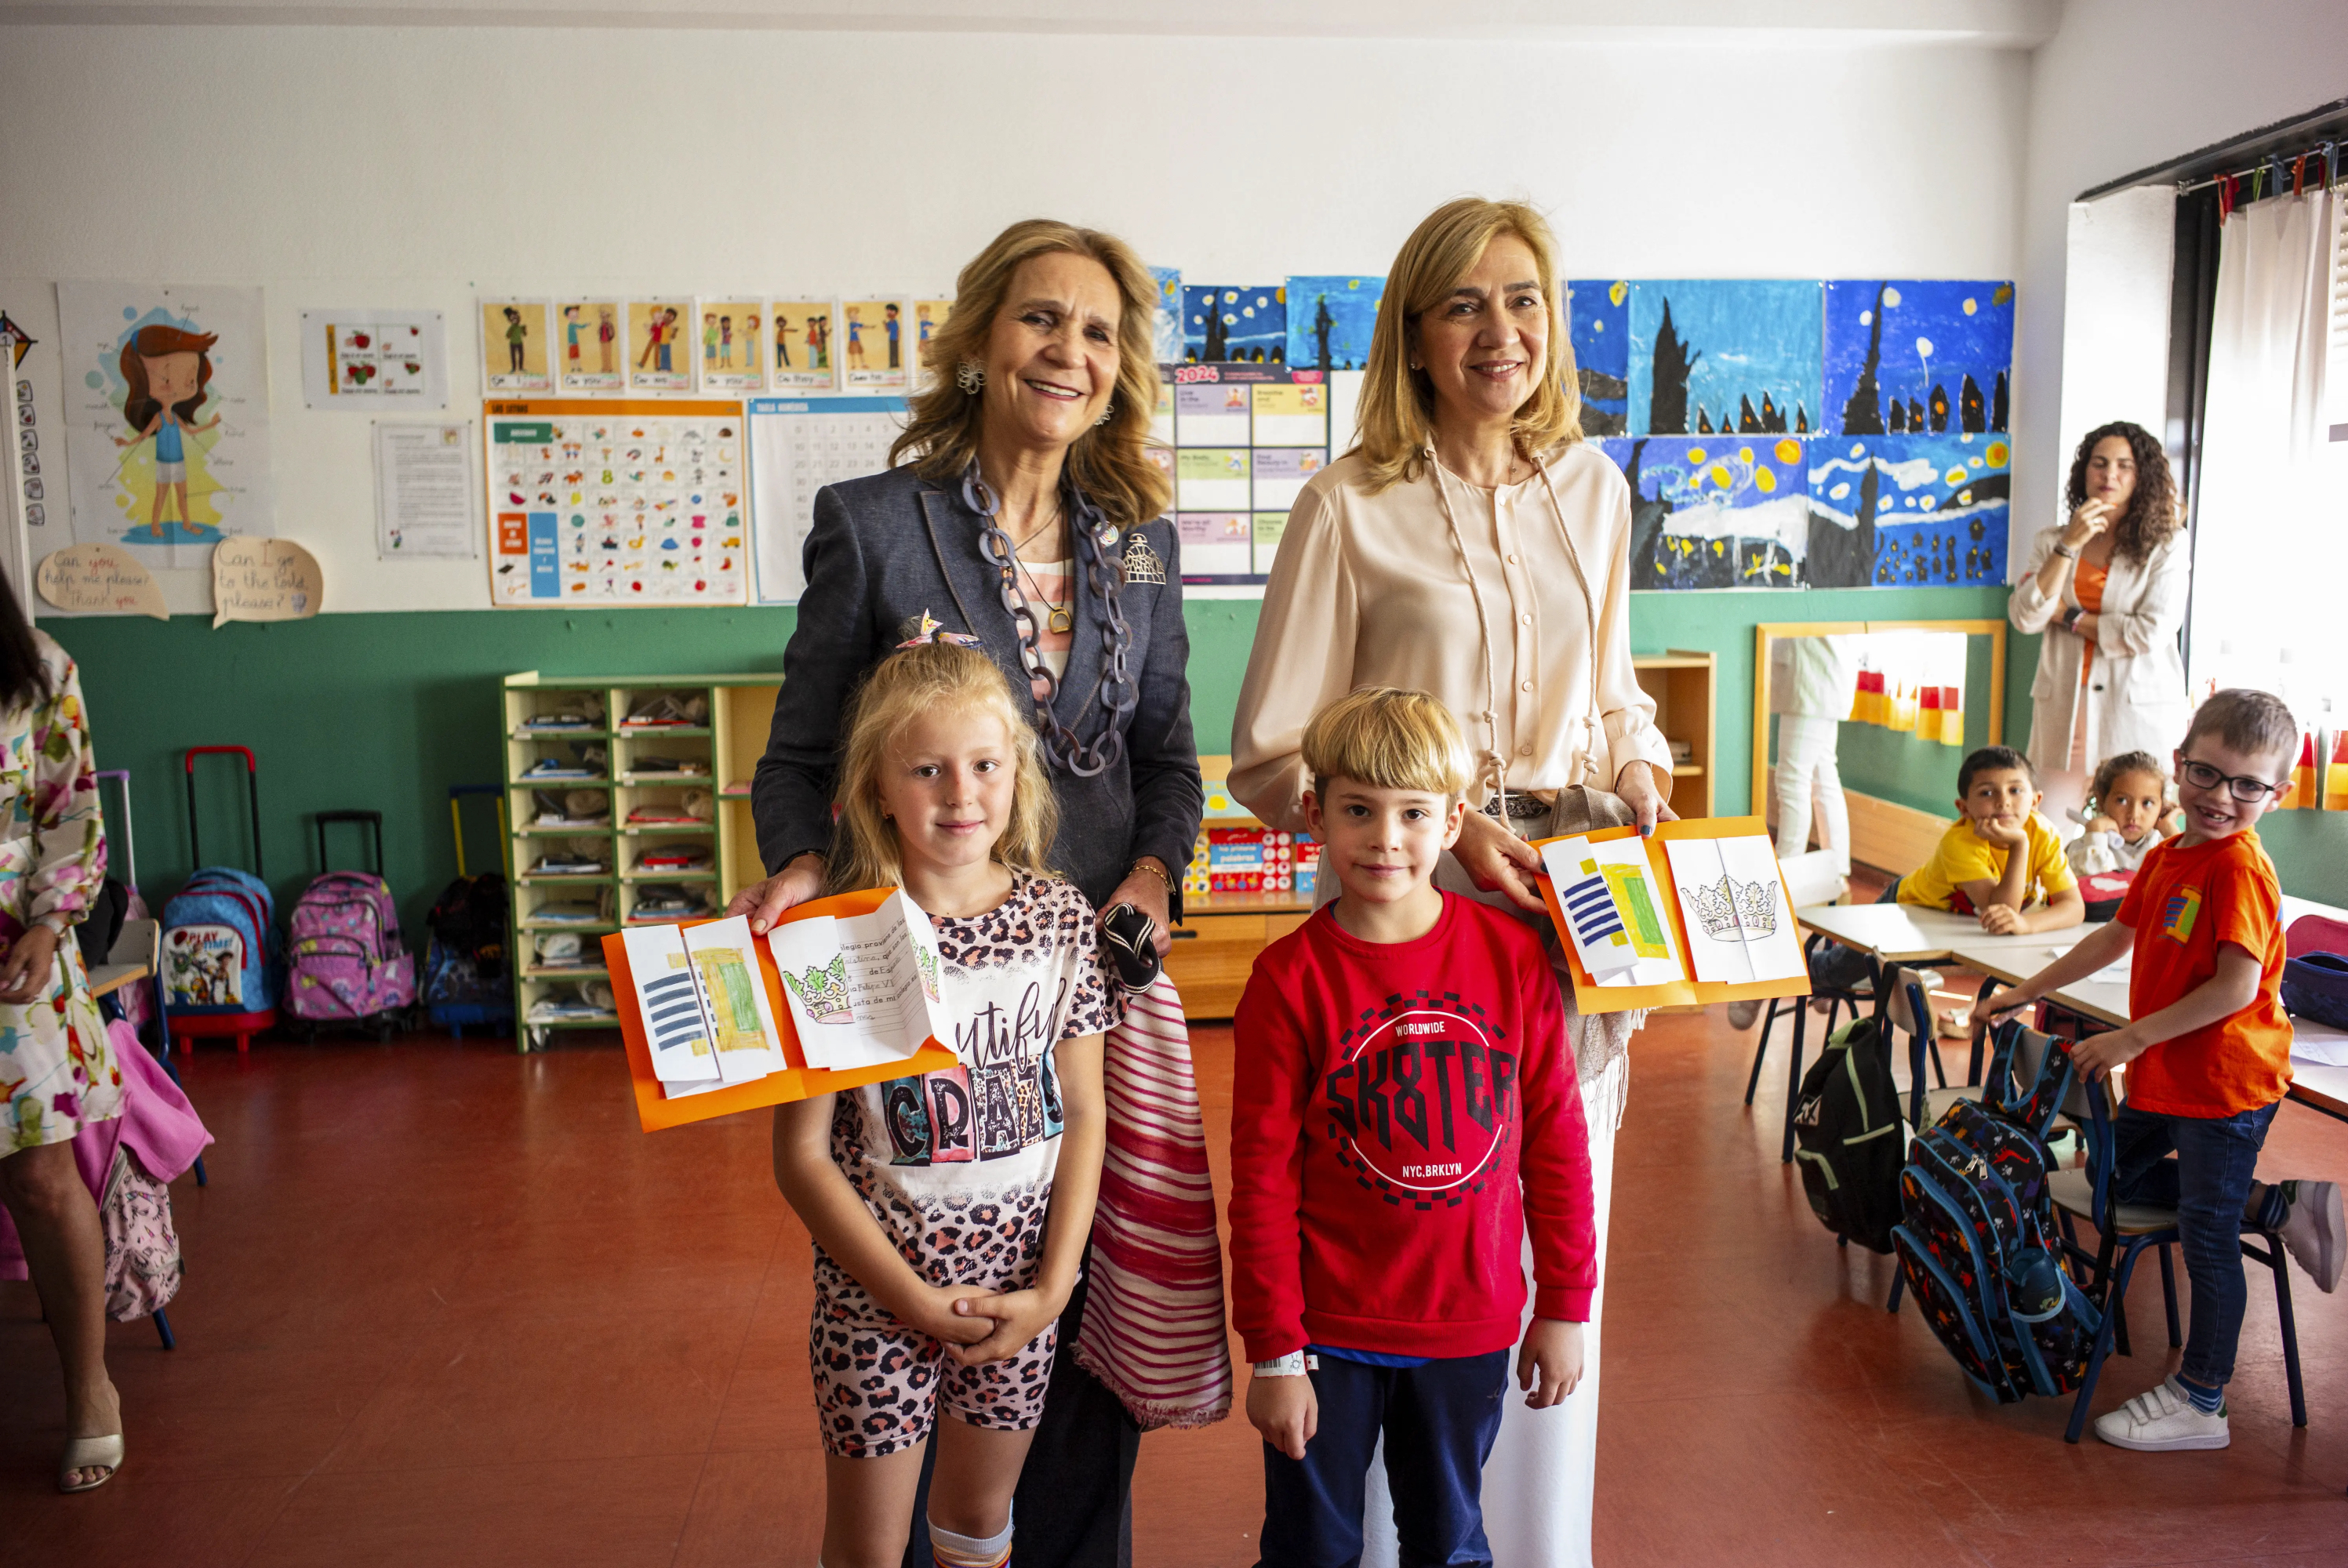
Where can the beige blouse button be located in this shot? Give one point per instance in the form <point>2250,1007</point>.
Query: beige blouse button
<point>1526,685</point>
<point>1524,751</point>
<point>1526,618</point>
<point>1512,561</point>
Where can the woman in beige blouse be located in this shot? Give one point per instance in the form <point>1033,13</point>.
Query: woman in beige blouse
<point>1473,546</point>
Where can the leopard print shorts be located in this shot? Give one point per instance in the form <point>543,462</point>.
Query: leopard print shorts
<point>879,1381</point>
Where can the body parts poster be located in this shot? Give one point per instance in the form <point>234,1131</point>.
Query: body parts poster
<point>798,446</point>
<point>1330,320</point>
<point>661,356</point>
<point>800,334</point>
<point>168,415</point>
<point>619,501</point>
<point>1734,906</point>
<point>516,358</point>
<point>1247,438</point>
<point>371,359</point>
<point>872,334</point>
<point>732,337</point>
<point>594,345</point>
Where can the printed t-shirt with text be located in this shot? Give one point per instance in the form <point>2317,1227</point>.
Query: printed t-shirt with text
<point>929,1152</point>
<point>2181,905</point>
<point>1964,855</point>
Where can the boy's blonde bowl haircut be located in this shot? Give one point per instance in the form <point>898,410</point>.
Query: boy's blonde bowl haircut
<point>2255,723</point>
<point>932,677</point>
<point>1388,738</point>
<point>1397,418</point>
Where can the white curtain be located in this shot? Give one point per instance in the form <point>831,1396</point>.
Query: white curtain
<point>2271,560</point>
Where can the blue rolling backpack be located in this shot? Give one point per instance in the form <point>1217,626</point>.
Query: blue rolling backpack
<point>221,963</point>
<point>1977,1242</point>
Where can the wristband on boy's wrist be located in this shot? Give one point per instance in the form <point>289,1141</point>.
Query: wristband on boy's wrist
<point>1295,1364</point>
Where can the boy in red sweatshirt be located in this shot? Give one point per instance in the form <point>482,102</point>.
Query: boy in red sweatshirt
<point>1404,1104</point>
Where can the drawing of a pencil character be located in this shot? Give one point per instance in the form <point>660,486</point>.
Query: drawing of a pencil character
<point>167,370</point>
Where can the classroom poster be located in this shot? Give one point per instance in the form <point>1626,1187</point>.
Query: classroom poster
<point>31,344</point>
<point>1247,438</point>
<point>514,343</point>
<point>166,417</point>
<point>1330,320</point>
<point>732,338</point>
<point>616,501</point>
<point>594,336</point>
<point>798,446</point>
<point>363,359</point>
<point>662,337</point>
<point>929,316</point>
<point>424,491</point>
<point>872,345</point>
<point>799,335</point>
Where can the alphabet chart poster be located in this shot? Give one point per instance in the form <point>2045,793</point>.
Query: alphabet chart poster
<point>798,446</point>
<point>1247,440</point>
<point>617,502</point>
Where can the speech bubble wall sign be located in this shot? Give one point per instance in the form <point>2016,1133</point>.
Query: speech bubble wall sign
<point>101,579</point>
<point>256,579</point>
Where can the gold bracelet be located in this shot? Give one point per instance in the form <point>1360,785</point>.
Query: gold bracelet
<point>1150,864</point>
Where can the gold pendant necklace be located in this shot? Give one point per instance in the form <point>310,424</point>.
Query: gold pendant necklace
<point>1062,618</point>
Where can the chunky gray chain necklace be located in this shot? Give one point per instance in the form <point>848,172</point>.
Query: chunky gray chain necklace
<point>1117,690</point>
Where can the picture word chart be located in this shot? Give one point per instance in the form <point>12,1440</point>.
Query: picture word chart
<point>1246,439</point>
<point>616,501</point>
<point>798,446</point>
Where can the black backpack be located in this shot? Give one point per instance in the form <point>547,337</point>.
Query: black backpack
<point>469,923</point>
<point>1849,1140</point>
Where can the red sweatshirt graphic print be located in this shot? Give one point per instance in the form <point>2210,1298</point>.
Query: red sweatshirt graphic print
<point>1400,1114</point>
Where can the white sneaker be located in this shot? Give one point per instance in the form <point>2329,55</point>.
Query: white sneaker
<point>2162,1419</point>
<point>1742,1014</point>
<point>2310,1231</point>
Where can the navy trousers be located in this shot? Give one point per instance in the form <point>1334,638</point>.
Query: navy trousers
<point>1438,1420</point>
<point>2206,1184</point>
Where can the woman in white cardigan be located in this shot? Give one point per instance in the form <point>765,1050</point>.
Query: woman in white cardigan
<point>1474,546</point>
<point>2106,591</point>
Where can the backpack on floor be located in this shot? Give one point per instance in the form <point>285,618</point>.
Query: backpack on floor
<point>1976,1239</point>
<point>466,963</point>
<point>346,959</point>
<point>220,945</point>
<point>1847,1132</point>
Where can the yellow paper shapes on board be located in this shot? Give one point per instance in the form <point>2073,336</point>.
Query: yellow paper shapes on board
<point>101,578</point>
<point>256,579</point>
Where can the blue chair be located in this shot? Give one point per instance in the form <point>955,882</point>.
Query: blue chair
<point>2126,1230</point>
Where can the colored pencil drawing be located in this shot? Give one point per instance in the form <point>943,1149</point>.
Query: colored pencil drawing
<point>1330,320</point>
<point>515,341</point>
<point>733,343</point>
<point>1715,511</point>
<point>1713,357</point>
<point>872,349</point>
<point>591,334</point>
<point>1224,324</point>
<point>1918,357</point>
<point>1166,325</point>
<point>1598,323</point>
<point>1908,510</point>
<point>821,992</point>
<point>798,345</point>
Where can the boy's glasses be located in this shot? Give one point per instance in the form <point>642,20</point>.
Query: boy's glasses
<point>2241,786</point>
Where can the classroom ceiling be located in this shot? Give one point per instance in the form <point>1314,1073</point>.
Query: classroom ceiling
<point>1993,23</point>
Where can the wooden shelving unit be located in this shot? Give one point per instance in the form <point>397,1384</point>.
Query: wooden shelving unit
<point>1684,686</point>
<point>722,750</point>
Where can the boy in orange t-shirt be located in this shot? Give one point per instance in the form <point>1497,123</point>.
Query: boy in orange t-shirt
<point>2211,1050</point>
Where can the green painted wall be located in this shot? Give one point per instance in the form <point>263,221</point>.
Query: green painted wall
<point>385,711</point>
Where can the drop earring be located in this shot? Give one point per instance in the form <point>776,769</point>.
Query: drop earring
<point>971,377</point>
<point>1107,413</point>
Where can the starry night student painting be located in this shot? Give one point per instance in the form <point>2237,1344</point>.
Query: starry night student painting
<point>1226,324</point>
<point>1908,511</point>
<point>1911,357</point>
<point>1725,356</point>
<point>1330,319</point>
<point>1714,512</point>
<point>1598,323</point>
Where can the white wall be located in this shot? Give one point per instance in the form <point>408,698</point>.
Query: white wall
<point>2124,85</point>
<point>422,166</point>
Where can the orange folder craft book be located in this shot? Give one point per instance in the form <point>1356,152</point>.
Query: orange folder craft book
<point>728,988</point>
<point>1698,913</point>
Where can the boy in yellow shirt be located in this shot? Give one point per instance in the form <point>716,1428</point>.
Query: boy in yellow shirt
<point>2000,860</point>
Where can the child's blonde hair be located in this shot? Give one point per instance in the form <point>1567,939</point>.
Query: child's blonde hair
<point>1388,738</point>
<point>932,677</point>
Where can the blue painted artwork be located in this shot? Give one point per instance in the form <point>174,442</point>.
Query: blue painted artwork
<point>1223,323</point>
<point>1908,511</point>
<point>1715,355</point>
<point>1906,356</point>
<point>1710,511</point>
<point>1330,320</point>
<point>1166,327</point>
<point>1598,321</point>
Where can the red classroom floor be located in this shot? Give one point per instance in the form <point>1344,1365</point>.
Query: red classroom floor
<point>447,1306</point>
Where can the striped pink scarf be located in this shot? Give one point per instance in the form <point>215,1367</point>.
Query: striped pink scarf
<point>1153,1329</point>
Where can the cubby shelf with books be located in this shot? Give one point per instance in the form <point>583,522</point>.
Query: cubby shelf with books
<point>654,786</point>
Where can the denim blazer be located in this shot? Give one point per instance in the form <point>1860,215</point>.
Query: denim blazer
<point>887,549</point>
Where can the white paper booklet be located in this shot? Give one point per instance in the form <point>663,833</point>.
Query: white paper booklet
<point>1739,928</point>
<point>1614,910</point>
<point>863,990</point>
<point>676,1026</point>
<point>725,964</point>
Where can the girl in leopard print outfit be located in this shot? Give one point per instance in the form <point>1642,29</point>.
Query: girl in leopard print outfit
<point>950,1210</point>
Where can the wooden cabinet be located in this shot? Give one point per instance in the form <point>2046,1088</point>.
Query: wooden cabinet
<point>1683,685</point>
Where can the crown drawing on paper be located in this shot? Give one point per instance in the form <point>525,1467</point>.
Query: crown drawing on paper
<point>1730,911</point>
<point>822,992</point>
<point>927,960</point>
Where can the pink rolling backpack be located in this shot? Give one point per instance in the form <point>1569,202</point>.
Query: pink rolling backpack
<point>347,961</point>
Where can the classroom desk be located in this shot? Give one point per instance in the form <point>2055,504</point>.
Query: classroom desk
<point>108,979</point>
<point>1890,933</point>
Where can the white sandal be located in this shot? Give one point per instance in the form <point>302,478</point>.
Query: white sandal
<point>89,1453</point>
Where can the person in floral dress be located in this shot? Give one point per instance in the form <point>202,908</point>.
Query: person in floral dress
<point>56,1071</point>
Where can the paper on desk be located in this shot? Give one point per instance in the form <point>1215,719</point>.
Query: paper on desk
<point>2312,1043</point>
